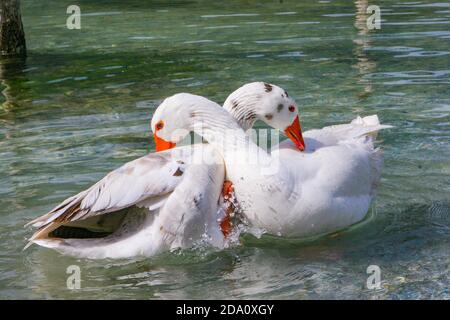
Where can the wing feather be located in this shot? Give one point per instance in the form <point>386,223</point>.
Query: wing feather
<point>134,183</point>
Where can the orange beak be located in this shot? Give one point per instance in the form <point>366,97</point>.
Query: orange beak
<point>162,144</point>
<point>294,132</point>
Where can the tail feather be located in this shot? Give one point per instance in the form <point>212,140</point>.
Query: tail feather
<point>370,125</point>
<point>367,121</point>
<point>359,127</point>
<point>368,128</point>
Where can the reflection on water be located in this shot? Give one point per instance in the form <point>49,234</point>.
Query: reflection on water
<point>11,82</point>
<point>363,43</point>
<point>81,103</point>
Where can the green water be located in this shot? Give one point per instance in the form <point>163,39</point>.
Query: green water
<point>81,103</point>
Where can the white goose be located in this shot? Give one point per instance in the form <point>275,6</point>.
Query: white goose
<point>169,200</point>
<point>158,202</point>
<point>325,188</point>
<point>161,201</point>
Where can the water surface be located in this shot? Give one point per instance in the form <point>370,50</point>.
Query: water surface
<point>80,106</point>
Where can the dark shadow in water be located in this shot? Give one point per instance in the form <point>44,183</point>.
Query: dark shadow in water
<point>138,4</point>
<point>161,4</point>
<point>52,77</point>
<point>11,79</point>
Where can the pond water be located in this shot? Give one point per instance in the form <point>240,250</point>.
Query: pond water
<point>81,103</point>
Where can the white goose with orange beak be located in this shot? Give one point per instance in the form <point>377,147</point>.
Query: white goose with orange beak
<point>327,187</point>
<point>168,200</point>
<point>162,201</point>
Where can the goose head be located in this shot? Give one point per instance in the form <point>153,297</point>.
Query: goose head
<point>268,103</point>
<point>177,115</point>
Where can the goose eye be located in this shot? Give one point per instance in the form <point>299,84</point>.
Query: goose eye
<point>291,108</point>
<point>159,125</point>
